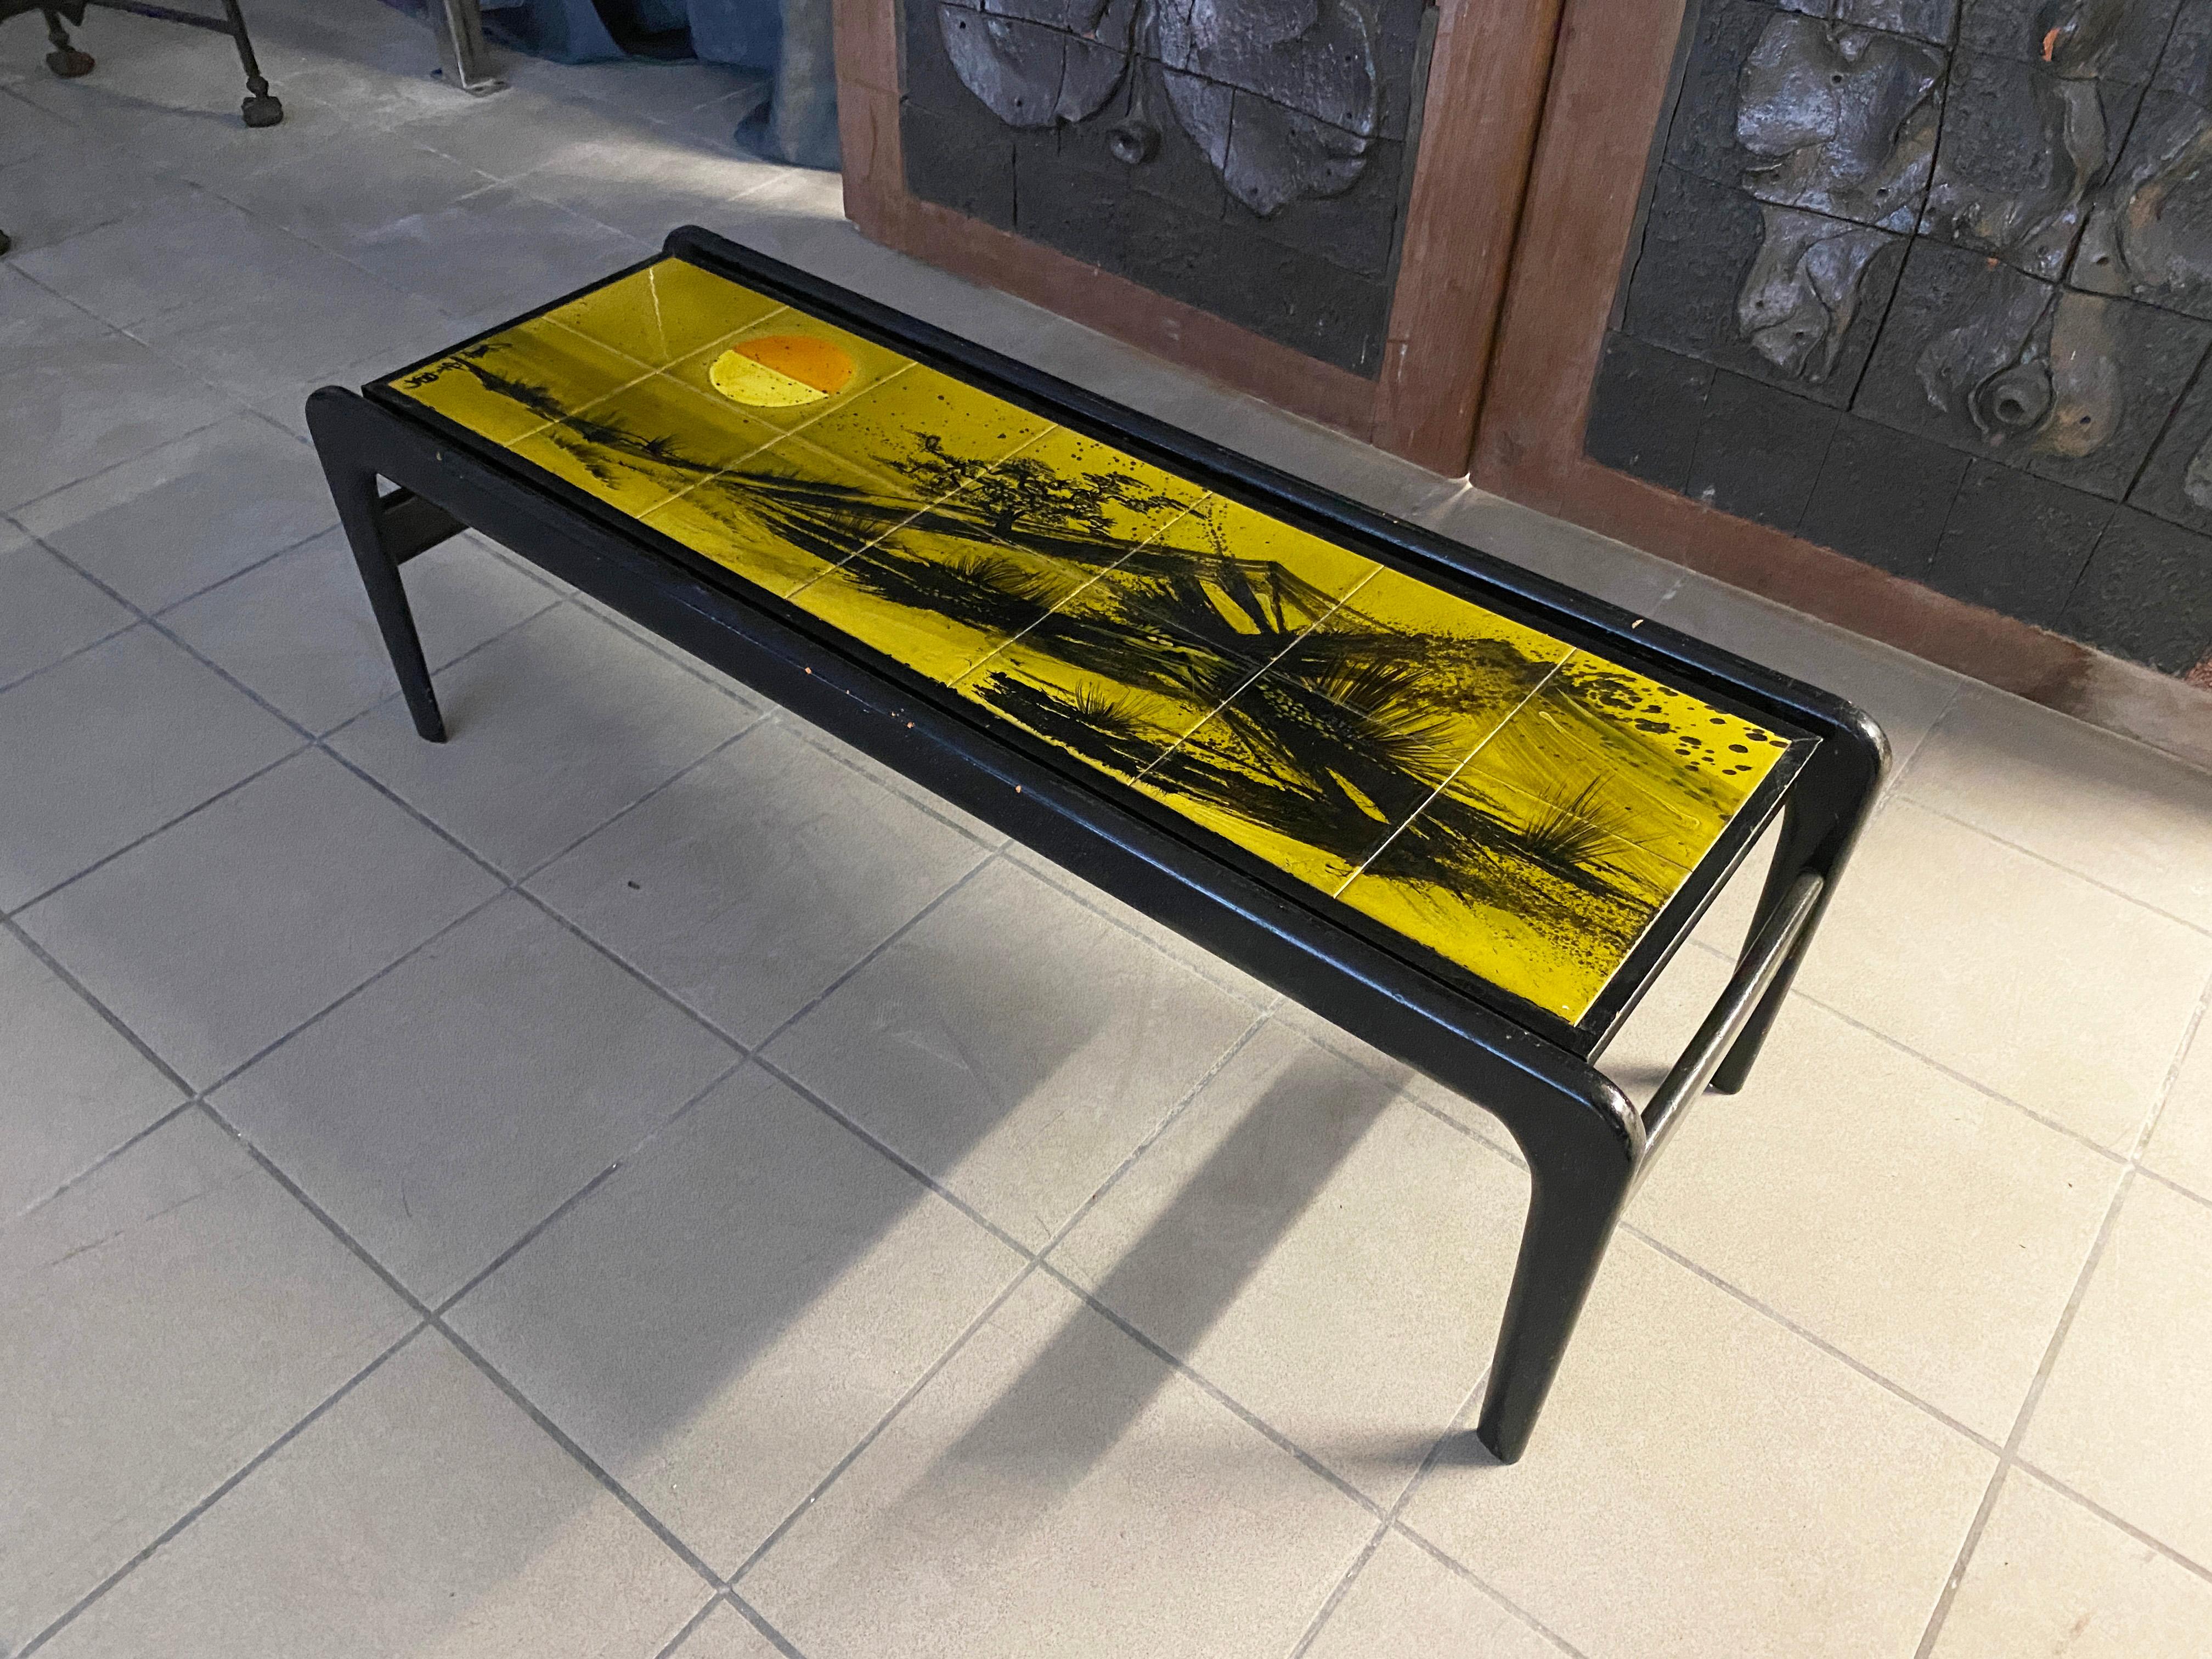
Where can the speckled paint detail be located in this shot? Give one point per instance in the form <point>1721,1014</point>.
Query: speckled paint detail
<point>1518,806</point>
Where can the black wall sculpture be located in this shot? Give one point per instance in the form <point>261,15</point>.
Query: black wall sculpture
<point>1930,282</point>
<point>1250,157</point>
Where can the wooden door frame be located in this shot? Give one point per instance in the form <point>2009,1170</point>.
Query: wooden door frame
<point>1488,70</point>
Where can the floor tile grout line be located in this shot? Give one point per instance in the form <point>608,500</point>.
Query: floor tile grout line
<point>2009,1456</point>
<point>101,1161</point>
<point>929,1374</point>
<point>121,1026</point>
<point>1986,1091</point>
<point>2147,1172</point>
<point>1805,1333</point>
<point>1219,1395</point>
<point>2199,1569</point>
<point>669,1648</point>
<point>1395,1520</point>
<point>759,1620</point>
<point>811,734</point>
<point>2201,929</point>
<point>221,1490</point>
<point>667,1535</point>
<point>529,1235</point>
<point>18,911</point>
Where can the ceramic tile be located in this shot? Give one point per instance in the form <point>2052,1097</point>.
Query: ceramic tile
<point>1406,1604</point>
<point>101,401</point>
<point>174,521</point>
<point>789,369</point>
<point>1577,558</point>
<point>462,1097</point>
<point>734,1310</point>
<point>47,610</point>
<point>1015,1046</point>
<point>515,384</point>
<point>70,189</point>
<point>1928,1231</point>
<point>2049,1577</point>
<point>725,1633</point>
<point>2180,1146</point>
<point>216,937</point>
<point>35,322</point>
<point>873,432</point>
<point>617,448</point>
<point>77,1089</point>
<point>2062,995</point>
<point>2119,814</point>
<point>553,729</point>
<point>643,184</point>
<point>1295,1236</point>
<point>1057,1488</point>
<point>666,313</point>
<point>515,133</point>
<point>423,1513</point>
<point>113,743</point>
<point>1704,1482</point>
<point>193,246</point>
<point>167,1318</point>
<point>749,883</point>
<point>297,630</point>
<point>2121,1418</point>
<point>388,178</point>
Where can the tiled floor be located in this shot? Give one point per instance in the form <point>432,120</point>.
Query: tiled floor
<point>641,1181</point>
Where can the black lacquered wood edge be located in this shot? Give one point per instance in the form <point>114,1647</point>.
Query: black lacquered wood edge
<point>1813,719</point>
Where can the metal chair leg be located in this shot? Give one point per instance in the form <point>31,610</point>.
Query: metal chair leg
<point>261,107</point>
<point>64,60</point>
<point>354,490</point>
<point>1577,1189</point>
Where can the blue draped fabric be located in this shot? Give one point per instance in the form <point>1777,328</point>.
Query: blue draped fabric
<point>788,41</point>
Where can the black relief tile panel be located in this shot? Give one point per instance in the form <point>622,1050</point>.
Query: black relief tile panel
<point>2123,40</point>
<point>1882,497</point>
<point>2022,148</point>
<point>1646,410</point>
<point>2176,481</point>
<point>1759,451</point>
<point>2073,385</point>
<point>2016,543</point>
<point>1205,153</point>
<point>1793,298</point>
<point>1955,258</point>
<point>2146,594</point>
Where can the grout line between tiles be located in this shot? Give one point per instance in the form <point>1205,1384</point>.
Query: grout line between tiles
<point>2009,1456</point>
<point>2021,1466</point>
<point>668,1649</point>
<point>213,1498</point>
<point>753,1616</point>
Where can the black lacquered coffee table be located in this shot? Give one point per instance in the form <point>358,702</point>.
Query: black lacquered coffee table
<point>1458,810</point>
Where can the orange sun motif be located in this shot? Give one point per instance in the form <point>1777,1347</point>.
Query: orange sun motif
<point>782,371</point>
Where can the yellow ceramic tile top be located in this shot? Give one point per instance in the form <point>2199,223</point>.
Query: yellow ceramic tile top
<point>1513,805</point>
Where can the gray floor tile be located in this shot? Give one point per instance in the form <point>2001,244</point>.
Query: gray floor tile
<point>114,743</point>
<point>1567,553</point>
<point>2180,1147</point>
<point>1707,1482</point>
<point>461,1098</point>
<point>725,1633</point>
<point>216,937</point>
<point>1015,1045</point>
<point>101,402</point>
<point>72,188</point>
<point>195,245</point>
<point>389,178</point>
<point>517,133</point>
<point>37,324</point>
<point>72,1089</point>
<point>497,251</point>
<point>755,878</point>
<point>167,1318</point>
<point>967,823</point>
<point>298,630</point>
<point>422,1513</point>
<point>174,521</point>
<point>734,1310</point>
<point>26,130</point>
<point>1406,1604</point>
<point>2122,1419</point>
<point>324,318</point>
<point>645,188</point>
<point>553,729</point>
<point>1297,1237</point>
<point>47,610</point>
<point>1057,1489</point>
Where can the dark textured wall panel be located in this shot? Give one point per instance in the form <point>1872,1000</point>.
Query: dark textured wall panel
<point>1953,264</point>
